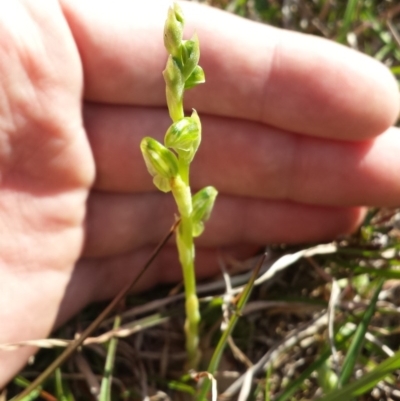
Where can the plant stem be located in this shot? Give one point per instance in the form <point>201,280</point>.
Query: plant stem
<point>169,163</point>
<point>185,245</point>
<point>184,171</point>
<point>186,257</point>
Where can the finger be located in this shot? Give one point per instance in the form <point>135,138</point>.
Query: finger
<point>292,81</point>
<point>122,223</point>
<point>102,278</point>
<point>250,159</point>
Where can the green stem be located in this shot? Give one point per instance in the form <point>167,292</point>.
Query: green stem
<point>186,256</point>
<point>184,236</point>
<point>175,107</point>
<point>183,138</point>
<point>184,170</point>
<point>185,245</point>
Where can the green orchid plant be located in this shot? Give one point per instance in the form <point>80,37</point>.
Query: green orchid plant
<point>169,163</point>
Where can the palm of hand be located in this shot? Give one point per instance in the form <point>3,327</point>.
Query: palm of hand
<point>46,169</point>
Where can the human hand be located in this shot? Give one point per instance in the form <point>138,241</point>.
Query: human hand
<point>295,132</point>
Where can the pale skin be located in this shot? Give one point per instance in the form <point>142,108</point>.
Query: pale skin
<point>297,140</point>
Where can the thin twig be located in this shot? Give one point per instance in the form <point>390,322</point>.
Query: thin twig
<point>84,367</point>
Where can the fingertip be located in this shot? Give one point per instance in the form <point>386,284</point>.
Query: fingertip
<point>354,219</point>
<point>381,108</point>
<point>329,90</point>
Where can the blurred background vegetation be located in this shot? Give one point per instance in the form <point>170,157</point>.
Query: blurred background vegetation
<point>370,26</point>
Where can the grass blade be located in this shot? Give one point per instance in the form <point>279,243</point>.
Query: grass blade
<point>212,367</point>
<point>105,390</point>
<point>294,385</point>
<point>366,382</point>
<point>33,394</point>
<point>358,340</point>
<point>63,392</point>
<point>348,20</point>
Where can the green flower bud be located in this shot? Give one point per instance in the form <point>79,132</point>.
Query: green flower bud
<point>203,203</point>
<point>173,30</point>
<point>161,163</point>
<point>175,85</point>
<point>173,75</point>
<point>184,136</point>
<point>197,77</point>
<point>190,55</point>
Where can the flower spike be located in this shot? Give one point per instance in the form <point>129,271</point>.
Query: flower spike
<point>170,168</point>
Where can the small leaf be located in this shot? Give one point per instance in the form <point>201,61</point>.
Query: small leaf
<point>197,77</point>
